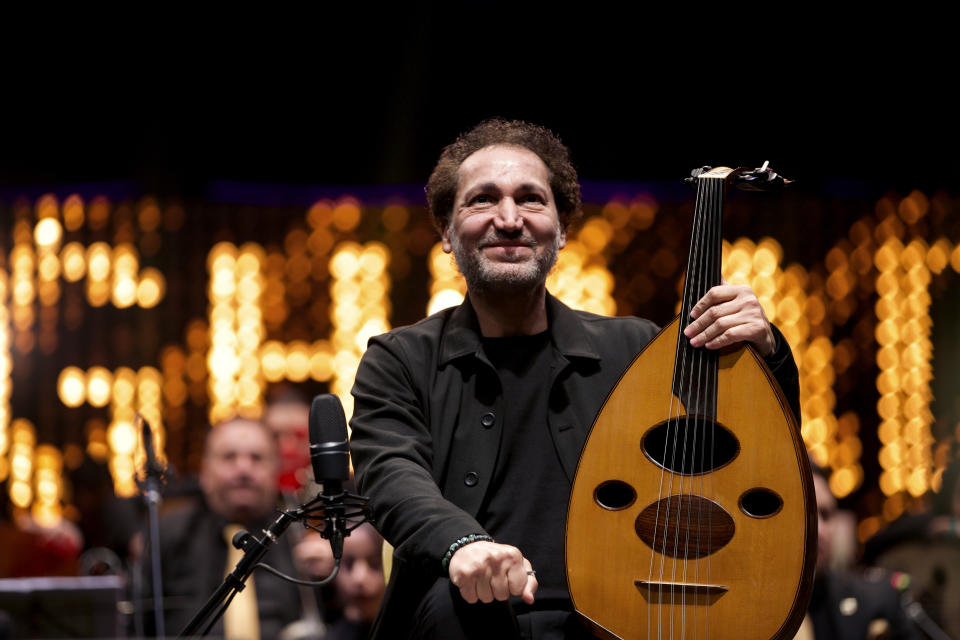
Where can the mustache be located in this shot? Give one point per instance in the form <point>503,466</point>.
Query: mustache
<point>496,237</point>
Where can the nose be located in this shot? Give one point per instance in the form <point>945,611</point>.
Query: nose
<point>508,216</point>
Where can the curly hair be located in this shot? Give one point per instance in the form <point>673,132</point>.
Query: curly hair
<point>442,185</point>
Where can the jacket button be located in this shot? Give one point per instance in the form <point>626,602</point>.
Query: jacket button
<point>487,420</point>
<point>471,478</point>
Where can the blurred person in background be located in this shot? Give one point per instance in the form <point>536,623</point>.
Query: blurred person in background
<point>926,546</point>
<point>359,585</point>
<point>238,480</point>
<point>845,606</point>
<point>288,417</point>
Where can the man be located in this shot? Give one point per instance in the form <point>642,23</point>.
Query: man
<point>845,606</point>
<point>238,479</point>
<point>467,426</point>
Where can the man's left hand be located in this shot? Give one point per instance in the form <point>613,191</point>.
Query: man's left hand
<point>729,314</point>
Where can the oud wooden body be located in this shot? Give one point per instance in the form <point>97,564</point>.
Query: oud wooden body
<point>757,585</point>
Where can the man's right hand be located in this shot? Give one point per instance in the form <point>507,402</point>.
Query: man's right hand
<point>487,571</point>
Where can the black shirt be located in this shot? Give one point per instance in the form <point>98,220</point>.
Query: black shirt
<point>528,464</point>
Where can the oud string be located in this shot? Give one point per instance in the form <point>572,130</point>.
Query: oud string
<point>712,371</point>
<point>700,289</point>
<point>694,292</point>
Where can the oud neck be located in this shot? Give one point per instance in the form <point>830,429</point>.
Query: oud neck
<point>706,242</point>
<point>694,380</point>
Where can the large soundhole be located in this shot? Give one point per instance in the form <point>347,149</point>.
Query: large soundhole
<point>761,503</point>
<point>690,445</point>
<point>685,526</point>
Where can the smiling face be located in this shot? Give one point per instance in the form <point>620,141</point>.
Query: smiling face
<point>504,232</point>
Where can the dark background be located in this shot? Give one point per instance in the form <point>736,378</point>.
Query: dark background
<point>370,96</point>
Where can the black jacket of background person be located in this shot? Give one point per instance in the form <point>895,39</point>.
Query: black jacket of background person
<point>845,606</point>
<point>193,558</point>
<point>420,395</point>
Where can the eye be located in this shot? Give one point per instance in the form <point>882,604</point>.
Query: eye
<point>481,199</point>
<point>531,198</point>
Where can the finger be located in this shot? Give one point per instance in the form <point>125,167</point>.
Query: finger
<point>500,587</point>
<point>757,333</point>
<point>716,295</point>
<point>704,326</point>
<point>468,589</point>
<point>484,591</point>
<point>517,577</point>
<point>530,588</point>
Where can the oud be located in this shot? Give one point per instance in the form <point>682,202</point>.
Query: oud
<point>692,513</point>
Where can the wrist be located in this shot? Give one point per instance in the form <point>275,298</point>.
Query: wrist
<point>460,543</point>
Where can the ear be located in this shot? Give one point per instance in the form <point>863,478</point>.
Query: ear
<point>563,238</point>
<point>445,239</point>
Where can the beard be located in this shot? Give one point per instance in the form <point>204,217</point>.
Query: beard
<point>485,276</point>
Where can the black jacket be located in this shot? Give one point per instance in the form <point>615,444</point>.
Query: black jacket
<point>425,427</point>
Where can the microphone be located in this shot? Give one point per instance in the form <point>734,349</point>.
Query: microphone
<point>153,468</point>
<point>329,449</point>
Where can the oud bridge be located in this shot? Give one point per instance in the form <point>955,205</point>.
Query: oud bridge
<point>689,592</point>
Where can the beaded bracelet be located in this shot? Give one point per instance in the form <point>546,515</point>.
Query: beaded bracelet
<point>462,542</point>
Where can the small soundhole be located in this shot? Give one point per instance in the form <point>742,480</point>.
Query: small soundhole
<point>760,503</point>
<point>690,445</point>
<point>614,495</point>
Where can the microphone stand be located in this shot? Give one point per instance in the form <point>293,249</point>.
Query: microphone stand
<point>335,510</point>
<point>150,488</point>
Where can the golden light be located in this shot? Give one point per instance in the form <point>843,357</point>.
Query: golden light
<point>98,292</point>
<point>346,317</point>
<point>394,217</point>
<point>23,433</point>
<point>917,483</point>
<point>149,216</point>
<point>222,258</point>
<point>372,327</point>
<point>374,258</point>
<point>321,361</point>
<point>125,258</point>
<point>223,362</point>
<point>122,438</point>
<point>73,212</point>
<point>346,215</point>
<point>842,482</point>
<point>444,299</point>
<point>345,261</point>
<point>98,261</point>
<point>48,233</point>
<point>21,465</point>
<point>124,385</point>
<point>20,494</point>
<point>297,366</point>
<point>99,386</point>
<point>124,292</point>
<point>249,289</point>
<point>71,387</point>
<point>955,258</point>
<point>49,267</point>
<point>595,234</point>
<point>151,289</point>
<point>24,292</point>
